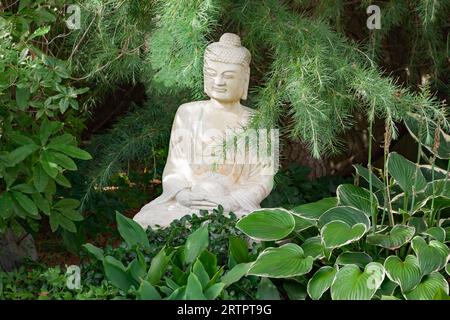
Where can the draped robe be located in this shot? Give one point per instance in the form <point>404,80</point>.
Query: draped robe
<point>197,133</point>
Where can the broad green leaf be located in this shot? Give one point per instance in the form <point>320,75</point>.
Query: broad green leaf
<point>49,167</point>
<point>209,261</point>
<point>21,153</point>
<point>394,239</point>
<point>6,205</point>
<point>22,97</point>
<point>320,282</point>
<point>25,202</point>
<point>315,209</point>
<point>71,214</point>
<point>428,288</point>
<point>39,32</point>
<point>432,257</point>
<point>336,234</point>
<point>361,259</point>
<point>178,294</point>
<point>201,273</point>
<point>357,197</point>
<point>116,273</point>
<point>63,161</point>
<point>95,251</point>
<point>282,262</point>
<point>364,172</point>
<point>137,269</point>
<point>313,247</point>
<point>353,284</point>
<point>147,292</point>
<point>62,180</point>
<point>267,290</point>
<point>40,178</point>
<point>302,223</point>
<point>406,273</point>
<point>236,273</point>
<point>196,242</point>
<point>404,172</point>
<point>238,249</point>
<point>418,223</point>
<point>131,231</point>
<point>447,268</point>
<point>349,215</point>
<point>267,224</point>
<point>158,267</point>
<point>441,295</point>
<point>295,290</point>
<point>63,221</point>
<point>194,289</point>
<point>71,151</point>
<point>214,291</point>
<point>67,204</point>
<point>48,128</point>
<point>437,233</point>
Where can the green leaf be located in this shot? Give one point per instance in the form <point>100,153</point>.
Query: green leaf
<point>313,247</point>
<point>201,273</point>
<point>40,178</point>
<point>336,234</point>
<point>302,223</point>
<point>48,128</point>
<point>196,243</point>
<point>295,290</point>
<point>25,202</point>
<point>214,291</point>
<point>315,209</point>
<point>194,289</point>
<point>62,180</point>
<point>49,167</point>
<point>63,221</point>
<point>71,151</point>
<point>394,239</point>
<point>357,197</point>
<point>403,171</point>
<point>115,272</point>
<point>63,160</point>
<point>41,203</point>
<point>21,153</point>
<point>64,204</point>
<point>209,261</point>
<point>349,215</point>
<point>353,284</point>
<point>437,233</point>
<point>6,205</point>
<point>432,257</point>
<point>361,259</point>
<point>406,273</point>
<point>236,273</point>
<point>267,224</point>
<point>22,97</point>
<point>320,282</point>
<point>282,262</point>
<point>428,288</point>
<point>71,214</point>
<point>364,172</point>
<point>147,292</point>
<point>238,249</point>
<point>95,251</point>
<point>39,32</point>
<point>131,231</point>
<point>267,290</point>
<point>158,267</point>
<point>137,269</point>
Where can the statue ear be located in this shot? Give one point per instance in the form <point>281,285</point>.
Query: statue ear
<point>246,84</point>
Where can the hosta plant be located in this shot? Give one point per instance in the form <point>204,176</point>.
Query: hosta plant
<point>391,243</point>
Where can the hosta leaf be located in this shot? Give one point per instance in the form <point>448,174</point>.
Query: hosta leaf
<point>406,273</point>
<point>147,292</point>
<point>429,286</point>
<point>349,215</point>
<point>364,172</point>
<point>131,231</point>
<point>115,272</point>
<point>404,171</point>
<point>238,249</point>
<point>214,291</point>
<point>315,209</point>
<point>158,267</point>
<point>320,282</point>
<point>357,197</point>
<point>236,273</point>
<point>201,273</point>
<point>196,242</point>
<point>194,289</point>
<point>361,259</point>
<point>302,223</point>
<point>313,247</point>
<point>336,234</point>
<point>432,257</point>
<point>95,251</point>
<point>267,224</point>
<point>282,262</point>
<point>437,233</point>
<point>267,290</point>
<point>394,239</point>
<point>353,284</point>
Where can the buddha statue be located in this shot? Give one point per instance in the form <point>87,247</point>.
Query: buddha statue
<point>201,172</point>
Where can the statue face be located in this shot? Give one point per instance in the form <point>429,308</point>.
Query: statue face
<point>225,82</point>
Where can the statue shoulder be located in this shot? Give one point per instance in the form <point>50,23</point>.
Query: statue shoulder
<point>190,107</point>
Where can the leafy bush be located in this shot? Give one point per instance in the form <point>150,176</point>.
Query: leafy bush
<point>36,148</point>
<point>341,245</point>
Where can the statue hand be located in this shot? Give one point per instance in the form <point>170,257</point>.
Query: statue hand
<point>227,202</point>
<point>188,198</point>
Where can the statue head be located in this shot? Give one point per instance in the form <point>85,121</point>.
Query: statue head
<point>226,69</point>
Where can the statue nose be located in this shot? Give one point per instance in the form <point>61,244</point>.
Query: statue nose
<point>219,81</point>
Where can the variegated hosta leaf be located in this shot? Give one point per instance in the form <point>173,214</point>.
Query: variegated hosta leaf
<point>349,215</point>
<point>432,257</point>
<point>357,197</point>
<point>447,268</point>
<point>315,209</point>
<point>437,233</point>
<point>364,172</point>
<point>404,172</point>
<point>361,259</point>
<point>320,282</point>
<point>429,286</point>
<point>313,247</point>
<point>394,239</point>
<point>418,223</point>
<point>286,261</point>
<point>351,283</point>
<point>302,223</point>
<point>406,273</point>
<point>267,224</point>
<point>336,234</point>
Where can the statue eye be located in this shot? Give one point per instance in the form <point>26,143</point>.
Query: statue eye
<point>228,75</point>
<point>210,72</point>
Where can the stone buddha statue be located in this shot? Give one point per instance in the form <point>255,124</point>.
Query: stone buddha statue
<point>201,172</point>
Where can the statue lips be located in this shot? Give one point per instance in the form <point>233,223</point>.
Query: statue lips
<point>220,90</point>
